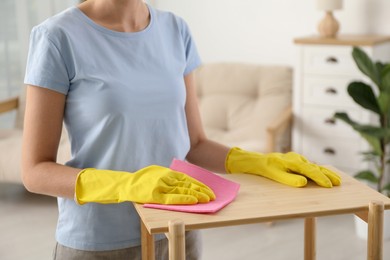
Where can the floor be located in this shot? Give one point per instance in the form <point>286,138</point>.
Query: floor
<point>27,224</point>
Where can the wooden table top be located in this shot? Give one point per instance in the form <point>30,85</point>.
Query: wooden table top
<point>263,200</point>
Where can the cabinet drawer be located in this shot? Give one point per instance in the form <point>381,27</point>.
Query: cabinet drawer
<point>332,91</point>
<point>343,153</point>
<point>318,123</point>
<point>334,60</point>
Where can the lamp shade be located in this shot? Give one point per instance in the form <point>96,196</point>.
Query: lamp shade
<point>329,5</point>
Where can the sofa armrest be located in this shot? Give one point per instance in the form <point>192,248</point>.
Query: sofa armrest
<point>277,126</point>
<point>9,104</point>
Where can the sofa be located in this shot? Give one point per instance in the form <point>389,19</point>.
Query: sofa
<point>246,105</point>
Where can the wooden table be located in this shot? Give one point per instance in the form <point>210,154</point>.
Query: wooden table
<point>262,200</point>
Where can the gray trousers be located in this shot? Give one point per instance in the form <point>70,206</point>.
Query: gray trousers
<point>193,251</point>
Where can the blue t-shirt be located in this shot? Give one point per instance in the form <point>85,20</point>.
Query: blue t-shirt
<point>125,100</point>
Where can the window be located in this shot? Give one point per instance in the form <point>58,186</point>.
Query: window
<point>17,17</point>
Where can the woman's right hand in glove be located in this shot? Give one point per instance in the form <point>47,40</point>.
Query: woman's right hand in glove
<point>152,184</point>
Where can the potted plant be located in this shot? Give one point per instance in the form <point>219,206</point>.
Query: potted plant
<point>374,97</point>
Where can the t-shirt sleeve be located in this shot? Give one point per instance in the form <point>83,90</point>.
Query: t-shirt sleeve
<point>45,66</point>
<point>192,56</point>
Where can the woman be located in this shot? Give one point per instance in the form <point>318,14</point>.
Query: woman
<point>119,74</point>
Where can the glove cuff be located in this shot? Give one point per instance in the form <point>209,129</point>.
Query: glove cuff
<point>229,161</point>
<point>77,187</point>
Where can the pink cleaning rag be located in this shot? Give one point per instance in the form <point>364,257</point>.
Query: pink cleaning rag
<point>224,190</point>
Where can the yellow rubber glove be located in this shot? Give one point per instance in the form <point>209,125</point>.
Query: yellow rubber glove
<point>152,184</point>
<point>289,168</point>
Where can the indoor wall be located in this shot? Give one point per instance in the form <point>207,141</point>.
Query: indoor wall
<point>262,31</point>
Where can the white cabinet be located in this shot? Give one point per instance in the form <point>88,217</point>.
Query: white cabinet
<point>325,68</point>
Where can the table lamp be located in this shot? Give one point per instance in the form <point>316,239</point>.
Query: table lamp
<point>329,26</point>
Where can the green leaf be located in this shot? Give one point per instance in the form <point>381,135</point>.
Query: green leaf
<point>387,187</point>
<point>364,131</point>
<point>385,75</point>
<point>369,153</point>
<point>379,66</point>
<point>370,130</point>
<point>370,156</point>
<point>344,117</point>
<point>364,96</point>
<point>374,142</point>
<point>373,131</point>
<point>367,175</point>
<point>365,65</point>
<point>384,102</point>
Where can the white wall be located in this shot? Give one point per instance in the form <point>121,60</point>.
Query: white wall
<point>262,31</point>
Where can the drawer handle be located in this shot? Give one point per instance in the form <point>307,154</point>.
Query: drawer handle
<point>331,90</point>
<point>329,151</point>
<point>332,60</point>
<point>330,121</point>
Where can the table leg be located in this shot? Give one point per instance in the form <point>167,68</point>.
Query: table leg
<point>176,238</point>
<point>375,231</point>
<point>147,243</point>
<point>310,238</point>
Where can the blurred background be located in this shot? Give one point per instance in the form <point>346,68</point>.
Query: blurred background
<point>253,31</point>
